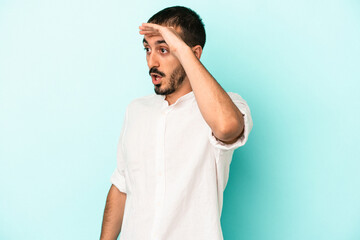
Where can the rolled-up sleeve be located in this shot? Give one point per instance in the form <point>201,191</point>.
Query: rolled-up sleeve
<point>248,124</point>
<point>118,176</point>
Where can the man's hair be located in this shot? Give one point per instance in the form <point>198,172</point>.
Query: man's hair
<point>192,27</point>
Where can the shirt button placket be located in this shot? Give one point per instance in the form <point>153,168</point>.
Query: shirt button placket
<point>160,176</point>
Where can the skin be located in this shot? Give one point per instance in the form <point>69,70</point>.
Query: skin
<point>113,214</point>
<point>162,64</point>
<point>170,55</point>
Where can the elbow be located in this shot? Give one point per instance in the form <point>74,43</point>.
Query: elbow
<point>231,129</point>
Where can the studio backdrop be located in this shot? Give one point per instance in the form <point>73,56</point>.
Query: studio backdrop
<point>69,68</point>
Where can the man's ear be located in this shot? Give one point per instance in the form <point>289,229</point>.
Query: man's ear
<point>197,50</point>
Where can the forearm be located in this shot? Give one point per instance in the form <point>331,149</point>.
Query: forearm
<point>113,214</point>
<point>217,108</point>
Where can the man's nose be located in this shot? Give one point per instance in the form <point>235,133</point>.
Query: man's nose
<point>152,60</point>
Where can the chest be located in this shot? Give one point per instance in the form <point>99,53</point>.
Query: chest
<point>164,132</point>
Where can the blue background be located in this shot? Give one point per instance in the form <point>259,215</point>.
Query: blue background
<point>69,68</point>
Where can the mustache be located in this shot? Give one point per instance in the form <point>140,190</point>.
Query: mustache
<point>155,70</point>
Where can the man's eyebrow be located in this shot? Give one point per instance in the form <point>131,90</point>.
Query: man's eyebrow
<point>157,42</point>
<point>160,42</point>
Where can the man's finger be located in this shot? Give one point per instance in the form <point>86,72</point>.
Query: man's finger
<point>153,33</point>
<point>148,28</point>
<point>151,25</point>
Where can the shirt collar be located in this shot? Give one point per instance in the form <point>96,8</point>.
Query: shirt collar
<point>183,98</point>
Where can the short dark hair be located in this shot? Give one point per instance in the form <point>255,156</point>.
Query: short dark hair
<point>192,27</point>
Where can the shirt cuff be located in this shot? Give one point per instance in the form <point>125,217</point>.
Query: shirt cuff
<point>118,181</point>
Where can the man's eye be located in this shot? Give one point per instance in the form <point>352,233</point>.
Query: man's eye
<point>163,50</point>
<point>147,49</point>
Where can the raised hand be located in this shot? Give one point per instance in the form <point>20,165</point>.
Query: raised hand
<point>169,34</point>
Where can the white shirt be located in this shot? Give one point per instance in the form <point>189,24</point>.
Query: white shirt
<point>173,170</point>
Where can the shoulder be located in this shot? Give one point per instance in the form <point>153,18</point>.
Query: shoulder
<point>239,102</point>
<point>146,101</point>
<point>235,97</point>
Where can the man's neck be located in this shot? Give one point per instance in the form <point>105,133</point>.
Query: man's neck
<point>185,88</point>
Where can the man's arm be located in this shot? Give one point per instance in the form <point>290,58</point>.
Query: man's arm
<point>113,214</point>
<point>217,108</point>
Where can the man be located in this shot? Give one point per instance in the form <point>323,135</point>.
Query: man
<point>176,145</point>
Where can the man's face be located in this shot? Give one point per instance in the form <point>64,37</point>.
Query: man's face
<point>165,69</point>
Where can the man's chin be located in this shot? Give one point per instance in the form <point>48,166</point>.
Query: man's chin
<point>160,91</point>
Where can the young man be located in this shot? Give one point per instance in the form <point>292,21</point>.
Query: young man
<point>176,145</point>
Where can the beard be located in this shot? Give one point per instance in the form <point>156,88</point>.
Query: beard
<point>176,79</point>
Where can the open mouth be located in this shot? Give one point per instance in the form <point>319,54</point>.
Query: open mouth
<point>156,78</point>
